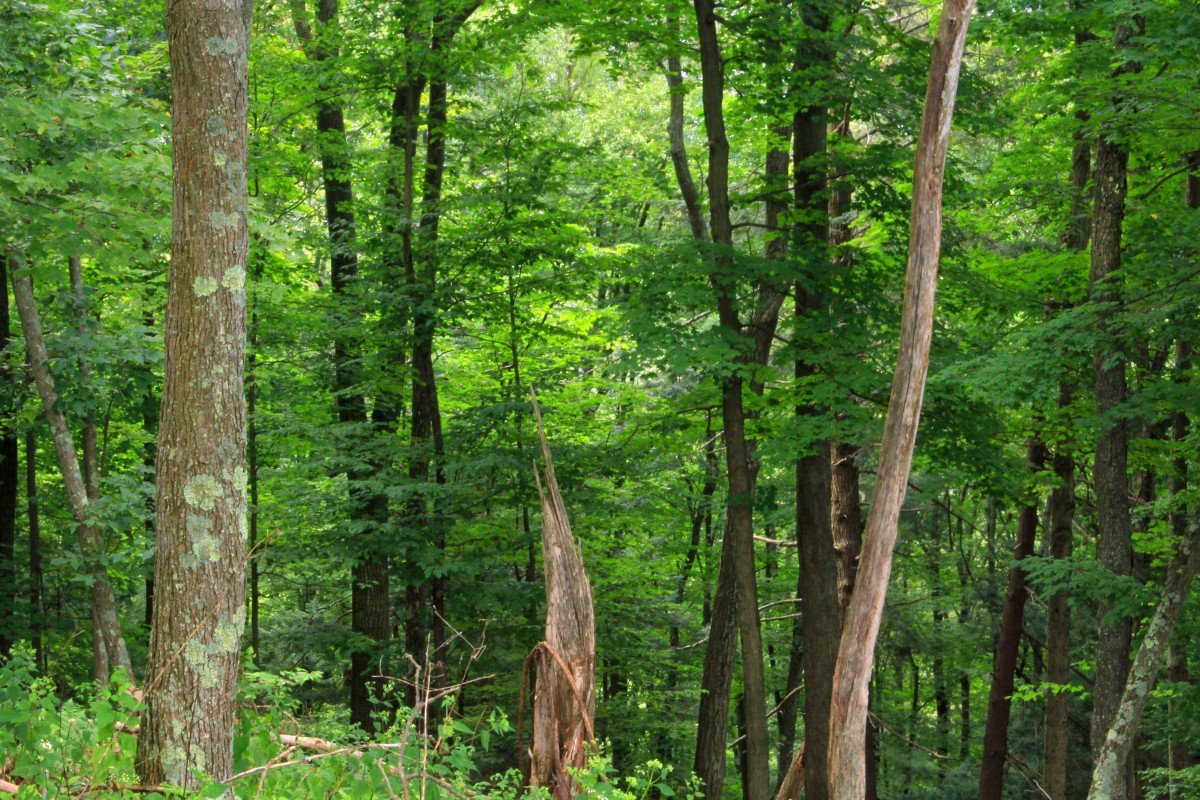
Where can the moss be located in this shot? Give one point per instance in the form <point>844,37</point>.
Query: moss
<point>204,286</point>
<point>202,492</point>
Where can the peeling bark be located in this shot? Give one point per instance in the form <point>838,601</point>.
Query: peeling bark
<point>848,712</point>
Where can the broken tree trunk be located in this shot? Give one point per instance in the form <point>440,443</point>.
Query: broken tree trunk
<point>852,674</point>
<point>561,671</point>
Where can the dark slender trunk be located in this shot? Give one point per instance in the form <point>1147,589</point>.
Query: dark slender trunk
<point>736,600</point>
<point>1110,473</point>
<point>36,612</point>
<point>1004,661</point>
<point>10,477</point>
<point>819,567</point>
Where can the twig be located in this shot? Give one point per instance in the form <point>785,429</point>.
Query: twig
<point>879,724</point>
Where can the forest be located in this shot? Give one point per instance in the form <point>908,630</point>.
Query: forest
<point>761,399</point>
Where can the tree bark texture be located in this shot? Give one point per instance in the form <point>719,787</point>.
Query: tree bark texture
<point>848,711</point>
<point>1110,473</point>
<point>1108,775</point>
<point>200,570</point>
<point>739,529</point>
<point>106,620</point>
<point>1004,660</point>
<point>563,667</point>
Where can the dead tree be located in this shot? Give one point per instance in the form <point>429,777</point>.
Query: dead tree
<point>560,672</point>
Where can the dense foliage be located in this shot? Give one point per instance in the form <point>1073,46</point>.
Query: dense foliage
<point>557,253</point>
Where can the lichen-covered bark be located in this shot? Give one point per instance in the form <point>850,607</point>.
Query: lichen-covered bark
<point>1108,775</point>
<point>199,610</point>
<point>848,709</point>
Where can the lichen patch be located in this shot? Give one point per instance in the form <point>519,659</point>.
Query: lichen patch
<point>202,492</point>
<point>204,285</point>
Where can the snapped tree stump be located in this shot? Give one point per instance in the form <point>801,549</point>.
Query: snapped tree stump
<point>560,672</point>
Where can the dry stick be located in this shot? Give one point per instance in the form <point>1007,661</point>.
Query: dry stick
<point>848,712</point>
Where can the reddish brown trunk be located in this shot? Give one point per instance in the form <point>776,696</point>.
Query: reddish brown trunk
<point>200,567</point>
<point>1004,661</point>
<point>848,712</point>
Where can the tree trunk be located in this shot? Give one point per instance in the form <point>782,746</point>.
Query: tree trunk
<point>848,711</point>
<point>36,622</point>
<point>563,667</point>
<point>1058,625</point>
<point>1109,775</point>
<point>370,604</point>
<point>200,568</point>
<point>1110,473</point>
<point>1004,660</point>
<point>111,647</point>
<point>819,567</point>
<point>10,477</point>
<point>91,452</point>
<point>739,528</point>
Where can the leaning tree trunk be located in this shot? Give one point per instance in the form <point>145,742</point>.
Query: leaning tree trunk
<point>1108,776</point>
<point>200,568</point>
<point>562,669</point>
<point>848,710</point>
<point>1004,659</point>
<point>106,620</point>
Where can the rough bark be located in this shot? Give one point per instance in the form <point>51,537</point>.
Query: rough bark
<point>738,548</point>
<point>10,478</point>
<point>1108,776</point>
<point>848,711</point>
<point>563,667</point>
<point>111,647</point>
<point>820,610</point>
<point>1110,473</point>
<point>1004,660</point>
<point>200,568</point>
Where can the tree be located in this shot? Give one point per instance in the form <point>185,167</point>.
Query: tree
<point>199,574</point>
<point>848,713</point>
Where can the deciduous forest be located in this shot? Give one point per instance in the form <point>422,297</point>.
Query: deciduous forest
<point>762,399</point>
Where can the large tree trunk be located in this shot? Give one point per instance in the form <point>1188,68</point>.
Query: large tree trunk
<point>370,606</point>
<point>1110,473</point>
<point>200,567</point>
<point>10,477</point>
<point>848,710</point>
<point>821,614</point>
<point>1004,660</point>
<point>563,667</point>
<point>110,647</point>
